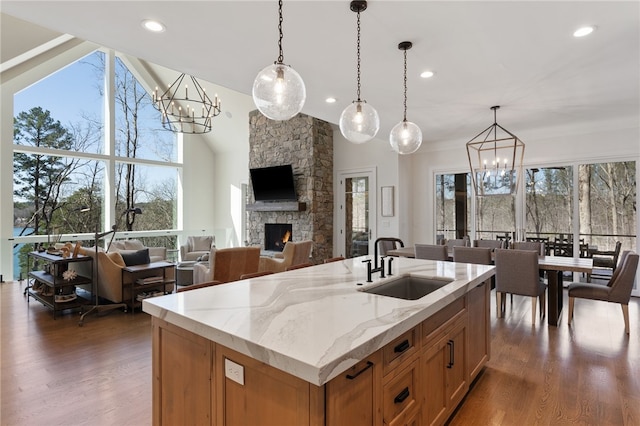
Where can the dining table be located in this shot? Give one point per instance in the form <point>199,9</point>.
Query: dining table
<point>554,266</point>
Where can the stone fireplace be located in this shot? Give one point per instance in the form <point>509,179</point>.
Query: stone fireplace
<point>276,235</point>
<point>307,144</point>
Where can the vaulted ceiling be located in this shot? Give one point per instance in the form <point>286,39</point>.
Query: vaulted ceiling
<point>517,54</point>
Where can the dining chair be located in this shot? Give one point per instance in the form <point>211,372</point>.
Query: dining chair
<point>227,264</point>
<point>463,242</point>
<point>431,252</point>
<point>618,290</point>
<point>492,244</point>
<point>477,255</point>
<point>334,259</point>
<point>530,245</point>
<point>604,262</point>
<point>517,273</point>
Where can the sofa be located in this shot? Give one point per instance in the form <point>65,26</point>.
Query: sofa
<point>110,265</point>
<point>125,247</point>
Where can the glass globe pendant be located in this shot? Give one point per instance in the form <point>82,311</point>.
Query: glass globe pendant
<point>359,122</point>
<point>278,90</point>
<point>405,137</point>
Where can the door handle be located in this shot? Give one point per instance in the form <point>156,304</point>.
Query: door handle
<point>353,376</point>
<point>404,394</point>
<point>450,343</point>
<point>402,346</point>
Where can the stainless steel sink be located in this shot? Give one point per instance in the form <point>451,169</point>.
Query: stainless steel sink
<point>408,287</point>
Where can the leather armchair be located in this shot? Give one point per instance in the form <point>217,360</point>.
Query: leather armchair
<point>294,253</point>
<point>196,247</point>
<point>227,264</point>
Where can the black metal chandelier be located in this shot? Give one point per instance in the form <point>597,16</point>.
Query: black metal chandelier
<point>184,114</point>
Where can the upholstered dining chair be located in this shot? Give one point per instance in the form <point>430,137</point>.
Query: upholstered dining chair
<point>196,286</point>
<point>618,290</point>
<point>294,253</point>
<point>464,242</point>
<point>492,244</point>
<point>517,273</point>
<point>227,264</point>
<point>431,252</point>
<point>477,255</point>
<point>529,245</point>
<point>334,259</point>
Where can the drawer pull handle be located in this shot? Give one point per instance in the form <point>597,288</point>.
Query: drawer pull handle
<point>353,376</point>
<point>402,346</point>
<point>402,396</point>
<point>451,351</point>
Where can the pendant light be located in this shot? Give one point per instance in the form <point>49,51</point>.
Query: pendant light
<point>359,122</point>
<point>278,90</point>
<point>405,137</point>
<point>495,159</point>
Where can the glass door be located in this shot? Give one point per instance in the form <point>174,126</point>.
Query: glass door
<point>357,228</point>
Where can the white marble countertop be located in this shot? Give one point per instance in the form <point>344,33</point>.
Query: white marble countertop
<point>313,322</point>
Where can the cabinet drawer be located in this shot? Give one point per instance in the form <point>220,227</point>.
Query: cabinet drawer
<point>401,349</point>
<point>439,324</point>
<point>400,396</point>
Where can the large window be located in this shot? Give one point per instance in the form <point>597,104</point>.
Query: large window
<point>61,156</point>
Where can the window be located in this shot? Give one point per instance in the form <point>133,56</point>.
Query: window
<point>60,157</point>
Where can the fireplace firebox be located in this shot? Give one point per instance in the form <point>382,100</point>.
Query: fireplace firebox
<point>276,235</point>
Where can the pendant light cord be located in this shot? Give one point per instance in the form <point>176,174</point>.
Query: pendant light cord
<point>280,55</point>
<point>405,86</point>
<point>358,55</point>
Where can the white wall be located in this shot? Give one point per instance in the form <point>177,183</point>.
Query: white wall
<point>377,154</point>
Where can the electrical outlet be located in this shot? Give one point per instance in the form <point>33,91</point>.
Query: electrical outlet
<point>234,371</point>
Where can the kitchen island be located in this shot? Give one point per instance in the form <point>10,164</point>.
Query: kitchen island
<point>308,346</point>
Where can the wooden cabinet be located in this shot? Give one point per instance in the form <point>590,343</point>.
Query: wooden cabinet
<point>249,392</point>
<point>445,377</point>
<point>353,398</point>
<point>183,388</point>
<point>479,330</point>
<point>417,379</point>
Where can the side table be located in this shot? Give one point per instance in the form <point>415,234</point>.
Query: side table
<point>146,281</point>
<point>184,273</point>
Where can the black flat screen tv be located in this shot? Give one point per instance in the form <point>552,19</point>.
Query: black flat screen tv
<point>273,183</point>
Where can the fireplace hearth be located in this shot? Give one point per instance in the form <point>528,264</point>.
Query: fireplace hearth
<point>276,235</point>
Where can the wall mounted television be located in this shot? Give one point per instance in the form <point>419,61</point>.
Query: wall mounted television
<point>273,183</point>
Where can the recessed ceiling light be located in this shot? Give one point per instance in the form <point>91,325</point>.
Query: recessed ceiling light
<point>153,26</point>
<point>330,100</point>
<point>427,74</point>
<point>581,32</point>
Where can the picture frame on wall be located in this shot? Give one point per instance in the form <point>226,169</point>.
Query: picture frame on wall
<point>386,201</point>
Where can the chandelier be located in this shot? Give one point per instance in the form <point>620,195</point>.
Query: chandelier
<point>495,159</point>
<point>184,114</point>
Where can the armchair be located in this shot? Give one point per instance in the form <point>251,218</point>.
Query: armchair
<point>196,247</point>
<point>227,264</point>
<point>618,290</point>
<point>294,253</point>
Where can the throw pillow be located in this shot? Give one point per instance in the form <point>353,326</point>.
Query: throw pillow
<point>140,257</point>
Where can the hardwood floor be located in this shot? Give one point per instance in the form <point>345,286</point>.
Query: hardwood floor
<point>56,373</point>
